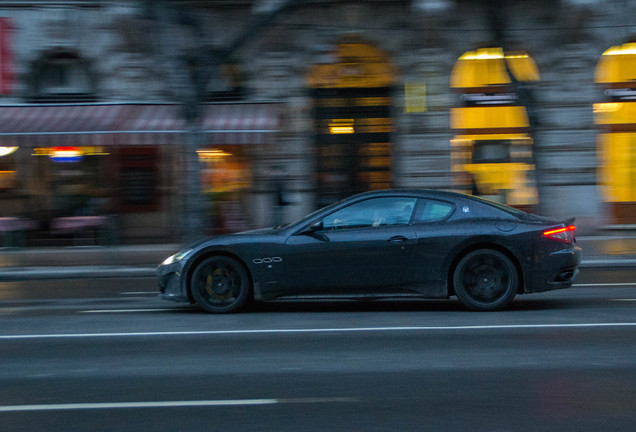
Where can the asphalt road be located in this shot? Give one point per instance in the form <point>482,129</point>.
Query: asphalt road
<point>105,355</point>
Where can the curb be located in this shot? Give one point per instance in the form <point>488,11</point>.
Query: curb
<point>80,272</point>
<point>608,264</point>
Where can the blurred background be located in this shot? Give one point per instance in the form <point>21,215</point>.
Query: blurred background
<point>130,122</point>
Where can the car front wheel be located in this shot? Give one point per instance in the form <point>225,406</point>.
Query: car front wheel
<point>485,280</point>
<point>220,284</point>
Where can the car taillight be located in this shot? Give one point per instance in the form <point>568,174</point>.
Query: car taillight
<point>564,235</point>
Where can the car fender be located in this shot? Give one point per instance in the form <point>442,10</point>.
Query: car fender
<point>201,254</point>
<point>483,242</point>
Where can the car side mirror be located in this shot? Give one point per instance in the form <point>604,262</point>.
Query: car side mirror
<point>316,226</point>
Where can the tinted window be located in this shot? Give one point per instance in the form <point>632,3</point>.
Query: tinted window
<point>507,209</point>
<point>373,212</point>
<point>431,210</point>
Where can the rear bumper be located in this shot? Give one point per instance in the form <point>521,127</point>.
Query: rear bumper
<point>556,271</point>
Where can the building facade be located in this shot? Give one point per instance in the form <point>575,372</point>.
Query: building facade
<point>327,99</point>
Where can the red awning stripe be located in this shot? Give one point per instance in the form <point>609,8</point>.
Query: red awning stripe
<point>232,123</point>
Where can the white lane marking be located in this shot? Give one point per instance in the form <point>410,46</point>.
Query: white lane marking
<point>96,311</point>
<point>169,404</point>
<point>316,330</point>
<point>624,300</point>
<point>604,284</point>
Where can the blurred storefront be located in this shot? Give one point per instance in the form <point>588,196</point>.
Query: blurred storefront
<point>491,152</point>
<point>616,117</point>
<point>324,100</point>
<point>115,171</point>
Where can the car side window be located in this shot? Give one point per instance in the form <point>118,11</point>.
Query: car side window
<point>374,212</point>
<point>432,210</point>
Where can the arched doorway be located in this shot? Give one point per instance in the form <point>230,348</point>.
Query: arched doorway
<point>352,106</point>
<point>491,152</point>
<point>616,116</point>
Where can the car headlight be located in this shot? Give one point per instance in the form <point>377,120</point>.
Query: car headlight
<point>176,257</point>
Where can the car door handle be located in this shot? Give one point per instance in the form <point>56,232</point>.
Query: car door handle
<point>397,239</point>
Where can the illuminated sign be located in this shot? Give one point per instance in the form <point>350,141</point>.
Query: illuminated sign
<point>212,154</point>
<point>4,151</point>
<point>343,126</point>
<point>56,153</point>
<point>66,154</point>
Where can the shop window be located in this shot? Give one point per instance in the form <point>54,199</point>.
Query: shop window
<point>79,179</point>
<point>491,152</point>
<point>62,76</point>
<point>8,168</point>
<point>225,179</point>
<point>139,179</point>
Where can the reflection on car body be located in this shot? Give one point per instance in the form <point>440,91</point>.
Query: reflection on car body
<point>382,244</point>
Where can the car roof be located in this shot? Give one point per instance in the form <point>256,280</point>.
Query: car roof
<point>454,197</point>
<point>430,193</point>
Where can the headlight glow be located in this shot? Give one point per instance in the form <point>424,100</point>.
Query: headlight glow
<point>176,257</point>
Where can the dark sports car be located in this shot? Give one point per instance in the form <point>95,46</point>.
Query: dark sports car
<point>383,244</point>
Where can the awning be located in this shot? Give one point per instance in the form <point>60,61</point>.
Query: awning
<point>617,66</point>
<point>134,124</point>
<point>484,69</point>
<point>616,117</point>
<point>240,123</point>
<point>489,120</point>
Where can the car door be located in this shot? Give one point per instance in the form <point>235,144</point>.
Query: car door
<point>436,237</point>
<point>359,249</point>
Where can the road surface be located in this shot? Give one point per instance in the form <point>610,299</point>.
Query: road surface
<point>107,354</point>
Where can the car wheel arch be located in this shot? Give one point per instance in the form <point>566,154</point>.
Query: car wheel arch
<point>203,255</point>
<point>484,245</point>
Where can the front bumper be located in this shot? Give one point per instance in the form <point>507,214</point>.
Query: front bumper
<point>170,283</point>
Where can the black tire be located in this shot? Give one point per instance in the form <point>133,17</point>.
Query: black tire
<point>485,280</point>
<point>220,284</point>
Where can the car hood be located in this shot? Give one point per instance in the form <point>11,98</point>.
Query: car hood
<point>260,231</point>
<point>238,237</point>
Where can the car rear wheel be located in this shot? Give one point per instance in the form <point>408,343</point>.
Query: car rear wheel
<point>485,280</point>
<point>220,284</point>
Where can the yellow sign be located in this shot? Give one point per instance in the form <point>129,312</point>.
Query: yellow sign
<point>415,98</point>
<point>357,64</point>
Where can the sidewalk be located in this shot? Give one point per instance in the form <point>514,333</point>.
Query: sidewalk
<point>77,262</point>
<point>606,252</point>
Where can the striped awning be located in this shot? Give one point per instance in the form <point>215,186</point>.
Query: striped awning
<point>135,124</point>
<point>239,123</point>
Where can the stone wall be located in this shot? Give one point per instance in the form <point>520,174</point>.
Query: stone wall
<point>566,38</point>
